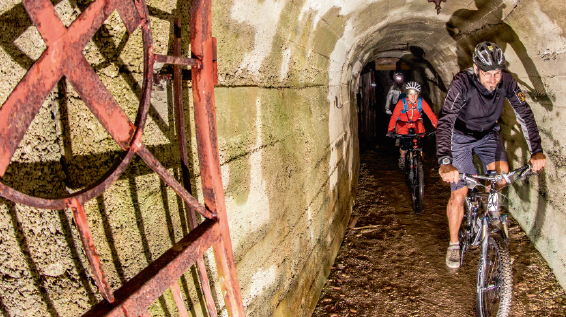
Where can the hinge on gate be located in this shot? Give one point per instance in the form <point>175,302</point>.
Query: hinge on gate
<point>167,74</point>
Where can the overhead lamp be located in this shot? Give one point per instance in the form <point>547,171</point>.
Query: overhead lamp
<point>437,3</point>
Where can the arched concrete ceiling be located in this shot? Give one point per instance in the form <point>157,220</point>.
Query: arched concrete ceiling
<point>377,26</point>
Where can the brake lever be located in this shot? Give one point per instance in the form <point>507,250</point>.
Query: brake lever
<point>528,172</point>
<point>521,174</point>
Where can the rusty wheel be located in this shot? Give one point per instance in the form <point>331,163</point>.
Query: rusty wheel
<point>63,57</point>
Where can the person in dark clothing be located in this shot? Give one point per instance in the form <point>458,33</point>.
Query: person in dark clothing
<point>468,123</point>
<point>395,92</point>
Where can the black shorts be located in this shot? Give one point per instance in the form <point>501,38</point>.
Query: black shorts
<point>406,143</point>
<point>489,149</point>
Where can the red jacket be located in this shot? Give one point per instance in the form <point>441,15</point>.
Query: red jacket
<point>411,118</point>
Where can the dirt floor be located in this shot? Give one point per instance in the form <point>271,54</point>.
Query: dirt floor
<point>392,261</point>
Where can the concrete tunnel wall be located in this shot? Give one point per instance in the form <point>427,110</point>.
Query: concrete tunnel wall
<point>287,130</point>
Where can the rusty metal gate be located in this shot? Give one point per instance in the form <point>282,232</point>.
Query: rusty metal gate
<point>63,57</point>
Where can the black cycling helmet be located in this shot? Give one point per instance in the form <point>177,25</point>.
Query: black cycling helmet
<point>488,56</point>
<point>399,78</point>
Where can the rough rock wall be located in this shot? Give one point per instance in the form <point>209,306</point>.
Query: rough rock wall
<point>536,57</point>
<point>289,150</point>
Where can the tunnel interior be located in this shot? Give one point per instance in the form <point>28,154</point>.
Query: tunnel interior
<point>376,78</point>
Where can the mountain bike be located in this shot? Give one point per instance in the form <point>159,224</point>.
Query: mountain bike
<point>484,225</point>
<point>414,167</point>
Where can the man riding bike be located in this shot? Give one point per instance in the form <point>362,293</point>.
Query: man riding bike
<point>407,114</point>
<point>468,123</point>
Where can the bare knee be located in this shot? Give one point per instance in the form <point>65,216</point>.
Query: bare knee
<point>458,197</point>
<point>499,166</point>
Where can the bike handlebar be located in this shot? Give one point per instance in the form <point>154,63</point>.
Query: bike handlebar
<point>409,135</point>
<point>520,173</point>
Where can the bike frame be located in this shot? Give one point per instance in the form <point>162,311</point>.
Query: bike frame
<point>413,163</point>
<point>481,207</point>
<point>483,220</point>
<point>416,149</point>
<point>485,206</point>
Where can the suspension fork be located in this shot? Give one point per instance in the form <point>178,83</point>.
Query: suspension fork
<point>484,238</point>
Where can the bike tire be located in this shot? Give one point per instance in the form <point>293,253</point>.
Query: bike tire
<point>495,280</point>
<point>417,187</point>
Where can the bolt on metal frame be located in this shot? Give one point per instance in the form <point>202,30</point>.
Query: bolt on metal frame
<point>63,57</point>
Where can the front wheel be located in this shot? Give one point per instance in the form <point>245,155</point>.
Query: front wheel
<point>417,187</point>
<point>495,280</point>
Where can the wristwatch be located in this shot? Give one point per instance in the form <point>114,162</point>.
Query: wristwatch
<point>446,161</point>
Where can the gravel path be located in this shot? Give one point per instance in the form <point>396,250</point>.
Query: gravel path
<point>392,262</point>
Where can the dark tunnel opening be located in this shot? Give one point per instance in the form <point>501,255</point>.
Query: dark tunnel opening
<point>376,79</point>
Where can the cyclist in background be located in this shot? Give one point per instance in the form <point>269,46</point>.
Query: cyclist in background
<point>468,123</point>
<point>407,114</point>
<point>395,91</point>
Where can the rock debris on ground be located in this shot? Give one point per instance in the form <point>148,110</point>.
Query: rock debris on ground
<point>392,261</point>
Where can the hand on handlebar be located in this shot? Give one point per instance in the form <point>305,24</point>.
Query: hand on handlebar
<point>390,134</point>
<point>449,173</point>
<point>538,161</point>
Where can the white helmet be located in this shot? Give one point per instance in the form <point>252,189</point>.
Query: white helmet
<point>413,85</point>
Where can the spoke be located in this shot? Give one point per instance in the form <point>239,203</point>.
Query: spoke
<point>129,14</point>
<point>90,249</point>
<point>23,104</point>
<point>90,20</point>
<point>46,20</point>
<point>102,104</point>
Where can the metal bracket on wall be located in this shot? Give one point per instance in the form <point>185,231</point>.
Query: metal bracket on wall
<point>437,5</point>
<point>63,57</point>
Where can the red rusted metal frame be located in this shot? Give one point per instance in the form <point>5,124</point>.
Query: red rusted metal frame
<point>133,298</point>
<point>209,162</point>
<point>90,250</point>
<point>154,164</point>
<point>182,138</point>
<point>177,60</point>
<point>176,291</point>
<point>63,57</point>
